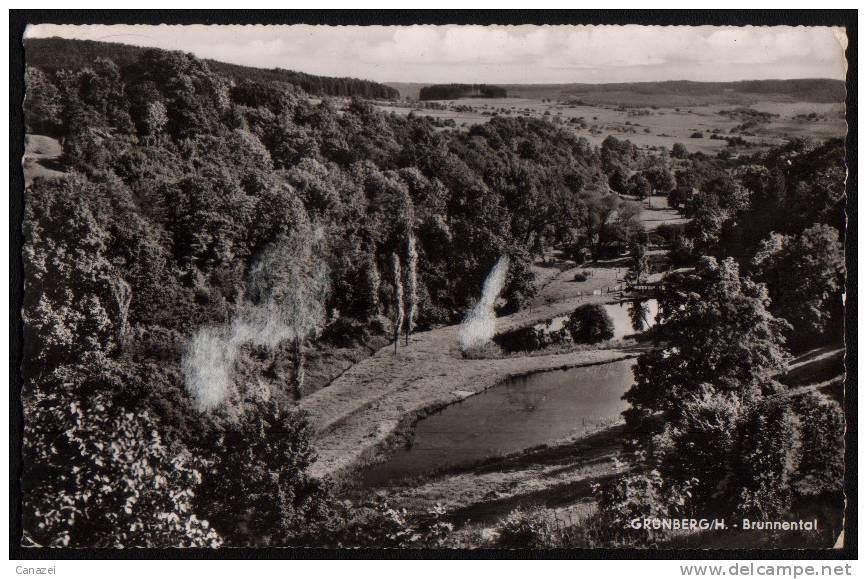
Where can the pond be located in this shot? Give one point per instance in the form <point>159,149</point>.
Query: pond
<point>519,413</point>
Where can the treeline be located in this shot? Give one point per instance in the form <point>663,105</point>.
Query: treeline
<point>458,91</point>
<point>312,84</point>
<point>55,54</point>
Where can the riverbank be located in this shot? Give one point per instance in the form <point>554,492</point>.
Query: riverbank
<point>560,476</point>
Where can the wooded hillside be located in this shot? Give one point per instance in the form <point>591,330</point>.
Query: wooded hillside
<point>53,54</point>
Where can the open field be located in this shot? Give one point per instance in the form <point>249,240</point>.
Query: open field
<point>656,126</point>
<point>669,93</point>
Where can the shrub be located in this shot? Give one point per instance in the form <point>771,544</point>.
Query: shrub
<point>531,339</point>
<point>706,431</point>
<point>99,475</point>
<point>488,350</point>
<point>258,490</point>
<point>632,497</point>
<point>670,232</point>
<point>381,525</point>
<point>654,238</point>
<point>821,465</point>
<point>580,276</point>
<point>589,324</point>
<point>679,151</point>
<point>766,458</point>
<point>529,529</point>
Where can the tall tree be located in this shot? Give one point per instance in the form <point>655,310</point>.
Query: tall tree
<point>397,282</point>
<point>639,265</point>
<point>411,285</point>
<point>290,284</point>
<point>640,186</point>
<point>714,328</point>
<point>804,274</point>
<point>42,103</point>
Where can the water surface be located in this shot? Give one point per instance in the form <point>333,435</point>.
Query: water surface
<point>520,413</point>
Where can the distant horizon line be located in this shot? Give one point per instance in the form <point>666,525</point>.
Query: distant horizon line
<point>390,82</point>
<point>395,82</point>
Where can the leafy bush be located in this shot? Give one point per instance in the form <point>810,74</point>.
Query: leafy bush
<point>679,151</point>
<point>99,475</point>
<point>257,491</point>
<point>670,232</point>
<point>486,351</point>
<point>580,276</point>
<point>706,431</point>
<point>381,525</point>
<point>821,465</point>
<point>589,324</point>
<point>530,339</point>
<point>636,497</point>
<point>529,529</point>
<point>766,458</point>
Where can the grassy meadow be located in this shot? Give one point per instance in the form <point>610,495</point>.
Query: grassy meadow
<point>651,125</point>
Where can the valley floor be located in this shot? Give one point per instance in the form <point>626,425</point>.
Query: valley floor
<point>365,410</point>
<point>359,414</point>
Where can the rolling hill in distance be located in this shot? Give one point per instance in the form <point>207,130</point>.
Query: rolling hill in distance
<point>52,54</point>
<point>671,93</point>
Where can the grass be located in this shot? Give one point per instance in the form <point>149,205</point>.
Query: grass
<point>572,347</point>
<point>670,123</point>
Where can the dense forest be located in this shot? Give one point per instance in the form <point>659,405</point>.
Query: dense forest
<point>438,92</point>
<point>54,54</point>
<point>198,199</point>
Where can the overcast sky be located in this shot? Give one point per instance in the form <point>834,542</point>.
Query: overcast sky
<point>500,54</point>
